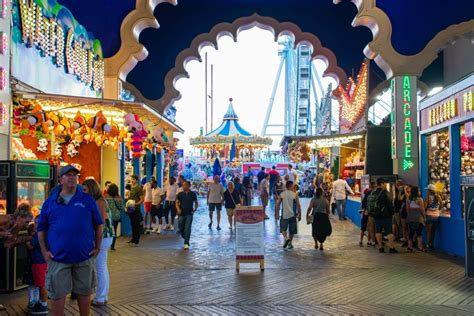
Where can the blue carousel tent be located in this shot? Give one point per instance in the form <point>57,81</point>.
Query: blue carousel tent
<point>230,125</point>
<point>231,135</point>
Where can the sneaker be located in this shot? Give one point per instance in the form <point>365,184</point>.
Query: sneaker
<point>31,305</point>
<point>382,250</point>
<point>290,245</point>
<point>287,241</point>
<point>97,303</point>
<point>171,227</point>
<point>147,231</point>
<point>39,309</point>
<point>218,228</point>
<point>393,250</point>
<point>186,246</point>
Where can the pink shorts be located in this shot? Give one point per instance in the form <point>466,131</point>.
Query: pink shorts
<point>147,206</point>
<point>39,274</point>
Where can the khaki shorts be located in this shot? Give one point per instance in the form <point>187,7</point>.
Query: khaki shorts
<point>62,278</point>
<point>230,211</point>
<point>396,219</point>
<point>371,224</point>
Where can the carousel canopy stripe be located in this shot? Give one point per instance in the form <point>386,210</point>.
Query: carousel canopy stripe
<point>239,140</point>
<point>113,110</point>
<point>230,125</point>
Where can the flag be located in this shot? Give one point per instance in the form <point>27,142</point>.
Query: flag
<point>216,168</point>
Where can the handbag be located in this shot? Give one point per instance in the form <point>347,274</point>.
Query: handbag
<point>233,201</point>
<point>120,212</point>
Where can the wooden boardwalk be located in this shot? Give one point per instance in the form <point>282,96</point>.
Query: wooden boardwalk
<point>159,278</point>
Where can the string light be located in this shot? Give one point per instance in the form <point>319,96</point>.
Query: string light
<point>3,9</point>
<point>335,141</point>
<point>443,112</point>
<point>467,100</point>
<point>353,98</point>
<point>3,43</point>
<point>3,114</point>
<point>3,78</point>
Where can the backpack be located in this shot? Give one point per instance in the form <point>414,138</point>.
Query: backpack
<point>373,204</point>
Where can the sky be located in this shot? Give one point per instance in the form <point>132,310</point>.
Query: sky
<point>244,71</point>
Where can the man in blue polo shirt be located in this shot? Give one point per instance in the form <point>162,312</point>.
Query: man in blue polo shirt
<point>70,233</point>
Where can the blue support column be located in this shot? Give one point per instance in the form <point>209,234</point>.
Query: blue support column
<point>136,167</point>
<point>423,162</point>
<point>125,227</point>
<point>454,170</point>
<point>122,149</point>
<point>148,164</point>
<point>159,168</point>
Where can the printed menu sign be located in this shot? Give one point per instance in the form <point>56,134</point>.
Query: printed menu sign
<point>249,233</point>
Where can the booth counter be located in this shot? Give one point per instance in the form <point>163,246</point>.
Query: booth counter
<point>447,154</point>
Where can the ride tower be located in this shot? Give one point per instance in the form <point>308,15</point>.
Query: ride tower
<point>301,118</point>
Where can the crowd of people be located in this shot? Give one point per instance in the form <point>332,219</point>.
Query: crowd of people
<point>68,242</point>
<point>402,217</point>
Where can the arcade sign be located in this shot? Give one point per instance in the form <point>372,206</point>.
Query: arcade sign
<point>58,40</point>
<point>403,119</point>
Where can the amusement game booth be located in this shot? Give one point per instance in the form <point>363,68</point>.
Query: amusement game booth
<point>358,151</point>
<point>447,160</point>
<point>52,113</point>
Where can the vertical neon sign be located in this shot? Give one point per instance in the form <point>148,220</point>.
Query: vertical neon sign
<point>393,121</point>
<point>407,126</point>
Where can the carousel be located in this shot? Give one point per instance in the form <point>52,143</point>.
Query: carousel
<point>230,141</point>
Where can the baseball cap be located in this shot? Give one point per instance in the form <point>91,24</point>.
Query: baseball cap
<point>67,169</point>
<point>431,187</point>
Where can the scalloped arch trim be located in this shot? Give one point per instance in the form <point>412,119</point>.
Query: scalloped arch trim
<point>233,29</point>
<point>382,51</point>
<point>131,51</point>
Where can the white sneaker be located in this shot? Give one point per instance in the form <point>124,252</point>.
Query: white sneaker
<point>158,229</point>
<point>186,246</point>
<point>171,227</point>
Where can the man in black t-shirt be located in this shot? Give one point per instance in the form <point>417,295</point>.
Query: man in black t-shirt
<point>186,204</point>
<point>383,215</point>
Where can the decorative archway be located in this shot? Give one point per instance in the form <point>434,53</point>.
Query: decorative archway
<point>233,29</point>
<point>381,50</point>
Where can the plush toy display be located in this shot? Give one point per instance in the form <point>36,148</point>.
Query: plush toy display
<point>467,155</point>
<point>71,150</point>
<point>439,167</point>
<point>139,134</point>
<point>42,145</point>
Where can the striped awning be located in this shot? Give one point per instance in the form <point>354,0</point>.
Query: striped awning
<point>230,125</point>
